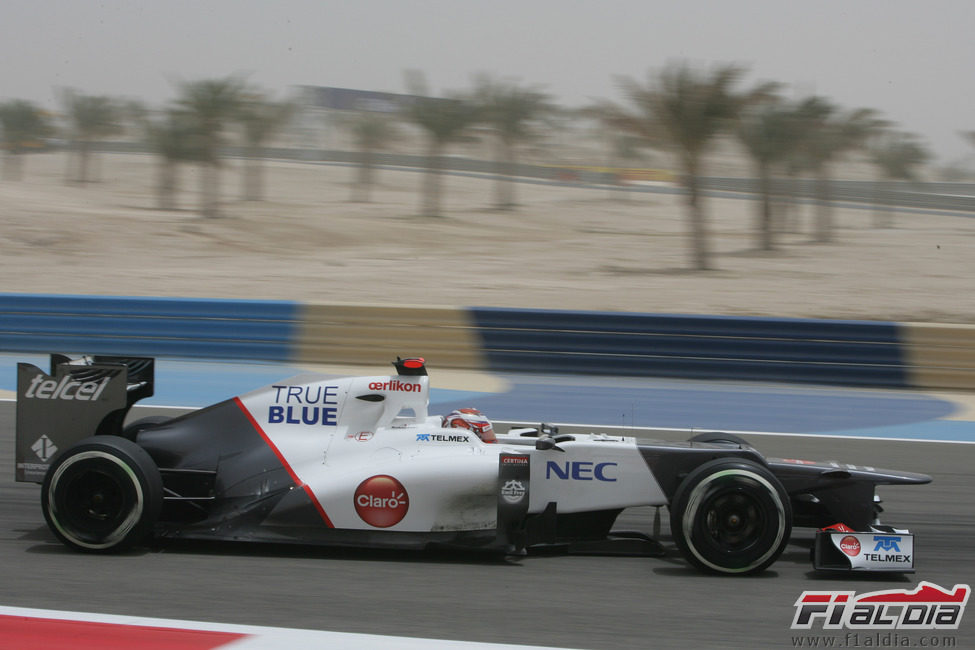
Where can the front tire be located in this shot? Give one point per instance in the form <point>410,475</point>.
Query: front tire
<point>720,438</point>
<point>103,494</point>
<point>731,516</point>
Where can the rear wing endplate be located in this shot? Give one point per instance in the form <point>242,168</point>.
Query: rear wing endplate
<point>79,398</point>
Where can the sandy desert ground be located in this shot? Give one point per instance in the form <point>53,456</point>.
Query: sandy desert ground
<point>564,247</point>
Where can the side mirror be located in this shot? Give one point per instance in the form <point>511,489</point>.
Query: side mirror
<point>546,443</point>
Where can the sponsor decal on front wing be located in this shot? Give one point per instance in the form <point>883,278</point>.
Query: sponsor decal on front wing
<point>850,545</point>
<point>872,551</point>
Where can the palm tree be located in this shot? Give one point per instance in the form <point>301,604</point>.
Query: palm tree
<point>174,139</point>
<point>897,156</point>
<point>211,104</point>
<point>92,118</point>
<point>445,120</point>
<point>24,127</point>
<point>509,111</point>
<point>260,120</point>
<point>769,135</point>
<point>829,134</point>
<point>371,131</point>
<point>686,110</point>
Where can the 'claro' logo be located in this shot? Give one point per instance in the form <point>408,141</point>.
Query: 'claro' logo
<point>381,501</point>
<point>850,545</point>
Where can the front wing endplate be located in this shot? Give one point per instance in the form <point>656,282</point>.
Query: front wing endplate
<point>872,551</point>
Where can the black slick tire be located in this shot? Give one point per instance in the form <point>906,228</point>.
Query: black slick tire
<point>102,494</point>
<point>731,516</point>
<point>720,438</point>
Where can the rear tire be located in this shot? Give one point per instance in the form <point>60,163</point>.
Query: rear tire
<point>731,516</point>
<point>103,494</point>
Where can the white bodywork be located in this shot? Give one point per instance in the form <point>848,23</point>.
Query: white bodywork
<point>383,462</point>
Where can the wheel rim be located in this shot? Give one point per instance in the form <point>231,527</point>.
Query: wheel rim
<point>733,520</point>
<point>95,500</point>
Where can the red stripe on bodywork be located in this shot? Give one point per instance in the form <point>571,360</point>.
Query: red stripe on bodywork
<point>294,477</point>
<point>54,634</point>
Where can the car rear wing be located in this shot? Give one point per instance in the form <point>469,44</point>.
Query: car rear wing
<point>80,397</point>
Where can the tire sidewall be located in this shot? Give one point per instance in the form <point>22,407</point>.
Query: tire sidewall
<point>128,467</point>
<point>731,476</point>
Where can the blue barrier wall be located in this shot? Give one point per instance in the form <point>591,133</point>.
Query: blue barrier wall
<point>712,347</point>
<point>862,353</point>
<point>179,327</point>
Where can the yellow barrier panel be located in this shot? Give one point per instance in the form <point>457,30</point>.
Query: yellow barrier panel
<point>940,355</point>
<point>376,334</point>
<point>652,175</point>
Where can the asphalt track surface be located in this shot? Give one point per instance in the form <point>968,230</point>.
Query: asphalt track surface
<point>553,600</point>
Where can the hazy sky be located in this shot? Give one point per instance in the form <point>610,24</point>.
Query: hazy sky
<point>910,59</point>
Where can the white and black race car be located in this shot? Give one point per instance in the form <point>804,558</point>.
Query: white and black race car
<point>358,461</point>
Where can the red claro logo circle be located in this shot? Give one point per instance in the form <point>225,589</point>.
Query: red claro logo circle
<point>850,545</point>
<point>381,501</point>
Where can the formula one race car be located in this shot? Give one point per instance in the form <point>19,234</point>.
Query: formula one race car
<point>358,461</point>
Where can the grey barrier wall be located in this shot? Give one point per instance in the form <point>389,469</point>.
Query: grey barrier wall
<point>953,197</point>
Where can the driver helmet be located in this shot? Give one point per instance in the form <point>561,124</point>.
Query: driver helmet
<point>470,419</point>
